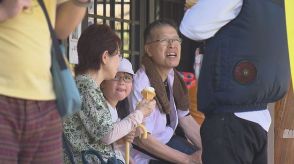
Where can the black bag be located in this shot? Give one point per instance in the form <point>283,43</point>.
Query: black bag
<point>112,160</point>
<point>84,154</point>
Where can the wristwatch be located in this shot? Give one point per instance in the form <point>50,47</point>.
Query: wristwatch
<point>82,3</point>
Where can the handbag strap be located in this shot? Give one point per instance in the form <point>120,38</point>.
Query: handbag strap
<point>58,52</point>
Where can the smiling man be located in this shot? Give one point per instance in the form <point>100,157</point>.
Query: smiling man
<point>163,145</point>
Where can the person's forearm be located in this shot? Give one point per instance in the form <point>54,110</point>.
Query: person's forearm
<point>68,16</point>
<point>123,127</point>
<point>192,130</point>
<point>162,151</point>
<point>120,129</point>
<point>210,18</point>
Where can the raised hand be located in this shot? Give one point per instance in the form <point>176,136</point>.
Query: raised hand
<point>146,107</point>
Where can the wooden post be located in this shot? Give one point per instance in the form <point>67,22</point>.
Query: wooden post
<point>284,129</point>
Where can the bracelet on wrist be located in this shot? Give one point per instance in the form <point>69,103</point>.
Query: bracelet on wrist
<point>81,4</point>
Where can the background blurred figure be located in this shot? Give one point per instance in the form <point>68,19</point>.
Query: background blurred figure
<point>30,124</point>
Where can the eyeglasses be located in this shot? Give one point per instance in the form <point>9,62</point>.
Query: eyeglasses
<point>126,78</point>
<point>166,41</point>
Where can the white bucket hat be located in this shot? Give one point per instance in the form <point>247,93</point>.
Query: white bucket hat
<point>125,66</point>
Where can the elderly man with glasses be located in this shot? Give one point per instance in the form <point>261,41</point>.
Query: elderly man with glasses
<point>163,145</point>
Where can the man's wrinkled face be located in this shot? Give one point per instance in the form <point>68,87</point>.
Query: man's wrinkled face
<point>164,47</point>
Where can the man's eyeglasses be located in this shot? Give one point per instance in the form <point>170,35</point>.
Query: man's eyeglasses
<point>126,78</point>
<point>166,42</point>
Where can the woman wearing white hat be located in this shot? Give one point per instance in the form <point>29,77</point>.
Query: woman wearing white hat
<point>115,91</point>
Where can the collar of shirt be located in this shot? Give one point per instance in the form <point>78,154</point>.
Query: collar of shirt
<point>86,81</point>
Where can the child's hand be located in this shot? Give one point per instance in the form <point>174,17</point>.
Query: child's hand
<point>146,107</point>
<point>130,137</point>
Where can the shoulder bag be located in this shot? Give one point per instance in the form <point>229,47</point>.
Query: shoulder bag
<point>67,94</point>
